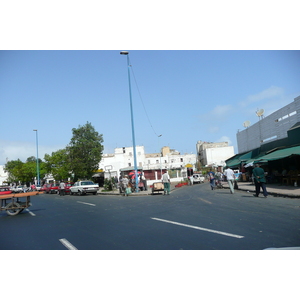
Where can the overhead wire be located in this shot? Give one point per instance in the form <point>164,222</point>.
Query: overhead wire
<point>142,101</point>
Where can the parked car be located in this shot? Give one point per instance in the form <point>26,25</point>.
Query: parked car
<point>5,190</point>
<point>84,187</point>
<point>54,188</point>
<point>38,187</point>
<point>67,187</point>
<point>17,189</point>
<point>198,178</point>
<point>48,187</point>
<point>43,188</point>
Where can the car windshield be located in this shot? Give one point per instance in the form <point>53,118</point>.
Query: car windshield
<point>87,183</point>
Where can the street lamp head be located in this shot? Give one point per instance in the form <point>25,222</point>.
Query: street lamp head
<point>160,135</point>
<point>124,52</point>
<point>34,129</point>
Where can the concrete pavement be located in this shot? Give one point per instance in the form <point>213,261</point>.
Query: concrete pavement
<point>273,189</point>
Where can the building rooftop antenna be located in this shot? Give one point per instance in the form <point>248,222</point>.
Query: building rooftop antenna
<point>246,124</point>
<point>260,112</point>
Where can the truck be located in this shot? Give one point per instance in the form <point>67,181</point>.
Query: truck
<point>84,187</point>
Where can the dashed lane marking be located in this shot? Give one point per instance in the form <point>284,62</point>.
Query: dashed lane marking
<point>67,244</point>
<point>87,203</point>
<point>206,201</point>
<point>200,228</point>
<point>30,212</point>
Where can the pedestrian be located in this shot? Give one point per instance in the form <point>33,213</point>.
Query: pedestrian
<point>62,189</point>
<point>166,181</point>
<point>144,182</point>
<point>124,185</point>
<point>191,180</point>
<point>259,181</point>
<point>211,178</point>
<point>230,179</point>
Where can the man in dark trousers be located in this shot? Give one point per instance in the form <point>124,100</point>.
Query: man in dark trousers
<point>259,181</point>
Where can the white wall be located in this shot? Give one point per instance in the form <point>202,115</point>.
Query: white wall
<point>3,175</point>
<point>218,156</point>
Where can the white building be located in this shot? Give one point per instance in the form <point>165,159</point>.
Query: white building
<point>3,175</point>
<point>213,154</point>
<point>151,164</point>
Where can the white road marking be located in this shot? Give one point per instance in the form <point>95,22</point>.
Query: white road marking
<point>86,203</point>
<point>205,200</point>
<point>67,244</point>
<point>201,228</point>
<point>30,212</point>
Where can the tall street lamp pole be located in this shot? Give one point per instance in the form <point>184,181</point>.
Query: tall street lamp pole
<point>160,156</point>
<point>132,123</point>
<point>37,158</point>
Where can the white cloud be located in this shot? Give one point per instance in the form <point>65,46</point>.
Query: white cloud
<point>221,110</point>
<point>270,93</point>
<point>213,129</point>
<point>22,150</point>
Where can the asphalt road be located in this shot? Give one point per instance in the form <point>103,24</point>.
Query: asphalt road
<point>191,218</point>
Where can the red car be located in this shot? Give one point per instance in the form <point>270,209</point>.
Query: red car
<point>5,190</point>
<point>67,187</point>
<point>54,188</point>
<point>46,188</point>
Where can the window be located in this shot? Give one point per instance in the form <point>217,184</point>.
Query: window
<point>129,164</point>
<point>123,149</point>
<point>286,116</point>
<point>181,159</point>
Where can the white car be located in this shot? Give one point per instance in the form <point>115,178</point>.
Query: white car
<point>17,189</point>
<point>198,178</point>
<point>84,187</point>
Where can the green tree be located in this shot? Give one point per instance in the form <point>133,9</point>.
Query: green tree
<point>58,164</point>
<point>85,150</point>
<point>14,170</point>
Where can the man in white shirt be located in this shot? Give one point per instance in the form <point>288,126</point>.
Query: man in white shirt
<point>166,181</point>
<point>230,179</point>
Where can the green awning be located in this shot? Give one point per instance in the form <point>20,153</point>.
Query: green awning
<point>234,161</point>
<point>279,154</point>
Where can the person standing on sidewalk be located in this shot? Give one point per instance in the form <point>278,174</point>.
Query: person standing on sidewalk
<point>211,178</point>
<point>259,181</point>
<point>230,179</point>
<point>166,181</point>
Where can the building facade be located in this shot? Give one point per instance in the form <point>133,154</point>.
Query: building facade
<point>152,164</point>
<point>3,176</point>
<point>213,154</point>
<point>272,128</point>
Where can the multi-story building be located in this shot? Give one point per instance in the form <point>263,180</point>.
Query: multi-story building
<point>274,140</point>
<point>271,130</point>
<point>152,164</point>
<point>213,154</point>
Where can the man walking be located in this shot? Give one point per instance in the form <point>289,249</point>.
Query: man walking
<point>62,189</point>
<point>230,179</point>
<point>259,181</point>
<point>166,181</point>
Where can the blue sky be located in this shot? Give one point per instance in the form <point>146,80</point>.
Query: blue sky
<point>188,84</point>
<point>184,95</point>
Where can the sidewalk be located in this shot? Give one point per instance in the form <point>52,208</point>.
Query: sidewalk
<point>140,193</point>
<point>272,189</point>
